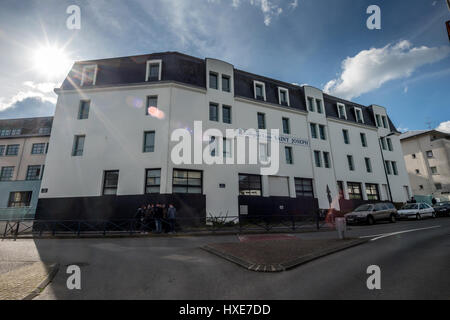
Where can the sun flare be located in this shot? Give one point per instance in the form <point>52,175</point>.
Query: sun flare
<point>51,61</point>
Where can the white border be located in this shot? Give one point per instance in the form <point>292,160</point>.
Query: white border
<point>254,89</point>
<point>287,95</point>
<point>147,72</point>
<point>83,73</point>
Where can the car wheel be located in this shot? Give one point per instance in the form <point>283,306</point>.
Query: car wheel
<point>392,219</point>
<point>418,216</point>
<point>370,220</point>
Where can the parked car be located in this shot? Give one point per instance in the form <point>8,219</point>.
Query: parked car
<point>442,208</point>
<point>371,213</point>
<point>416,211</point>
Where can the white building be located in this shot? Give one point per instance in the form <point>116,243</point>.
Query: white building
<point>108,154</point>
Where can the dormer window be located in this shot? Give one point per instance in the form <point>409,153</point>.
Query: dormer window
<point>213,80</point>
<point>378,121</point>
<point>359,115</point>
<point>342,114</point>
<point>154,68</point>
<point>260,90</point>
<point>283,96</point>
<point>385,123</point>
<point>89,75</point>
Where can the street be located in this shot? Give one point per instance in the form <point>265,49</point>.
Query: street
<point>414,262</point>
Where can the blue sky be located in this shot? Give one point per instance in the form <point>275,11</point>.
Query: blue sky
<point>405,66</point>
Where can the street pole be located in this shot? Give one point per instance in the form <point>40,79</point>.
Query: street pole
<point>384,165</point>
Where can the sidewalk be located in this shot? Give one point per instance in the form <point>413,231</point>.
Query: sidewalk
<point>266,253</point>
<point>24,280</point>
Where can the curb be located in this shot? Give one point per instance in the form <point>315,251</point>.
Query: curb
<point>51,274</point>
<point>285,266</point>
<point>178,234</point>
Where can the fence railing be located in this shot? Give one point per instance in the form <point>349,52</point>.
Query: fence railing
<point>13,228</point>
<point>22,213</point>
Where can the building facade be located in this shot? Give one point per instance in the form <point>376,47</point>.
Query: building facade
<point>23,147</point>
<point>112,147</point>
<point>427,159</point>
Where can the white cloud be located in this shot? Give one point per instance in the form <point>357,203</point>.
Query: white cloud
<point>44,87</point>
<point>444,127</point>
<point>293,4</point>
<point>370,69</point>
<point>22,95</point>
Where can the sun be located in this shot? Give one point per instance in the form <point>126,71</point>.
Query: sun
<point>51,61</point>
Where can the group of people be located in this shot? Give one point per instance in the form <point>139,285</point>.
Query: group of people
<point>156,215</point>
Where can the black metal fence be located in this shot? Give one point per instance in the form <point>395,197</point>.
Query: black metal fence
<point>234,224</point>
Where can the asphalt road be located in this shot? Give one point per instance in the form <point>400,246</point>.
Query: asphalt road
<point>414,265</point>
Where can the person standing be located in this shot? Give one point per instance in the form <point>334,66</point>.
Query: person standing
<point>171,216</point>
<point>139,216</point>
<point>158,217</point>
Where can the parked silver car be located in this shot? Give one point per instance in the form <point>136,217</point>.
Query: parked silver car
<point>371,213</point>
<point>416,211</point>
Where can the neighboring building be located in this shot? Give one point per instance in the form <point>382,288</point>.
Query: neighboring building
<point>427,158</point>
<point>23,146</point>
<point>110,152</point>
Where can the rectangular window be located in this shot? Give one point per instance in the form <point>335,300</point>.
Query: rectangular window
<point>38,148</point>
<point>19,199</point>
<point>378,120</point>
<point>351,165</point>
<point>5,132</point>
<point>318,159</point>
<point>152,180</point>
<point>368,165</point>
<point>152,103</point>
<point>429,153</point>
<point>83,112</point>
<point>434,170</point>
<point>342,114</point>
<point>438,186</point>
<point>304,187</point>
<point>389,144</point>
<point>226,114</point>
<point>259,92</point>
<point>212,146</point>
<point>78,146</point>
<point>149,141</point>
<point>313,127</point>
<point>326,159</point>
<point>213,80</point>
<point>383,143</point>
<point>283,96</point>
<point>6,174</point>
<point>363,140</point>
<point>346,136</point>
<point>394,168</point>
<point>319,106</point>
<point>213,112</point>
<point>261,120</point>
<point>12,150</point>
<point>385,124</point>
<point>33,173</point>
<point>187,181</point>
<point>153,70</point>
<point>250,185</point>
<point>354,190</point>
<point>286,126</point>
<point>359,115</point>
<point>388,167</point>
<point>310,104</point>
<point>2,150</point>
<point>89,75</point>
<point>226,83</point>
<point>110,182</point>
<point>226,148</point>
<point>372,192</point>
<point>322,133</point>
<point>288,153</point>
<point>45,131</point>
